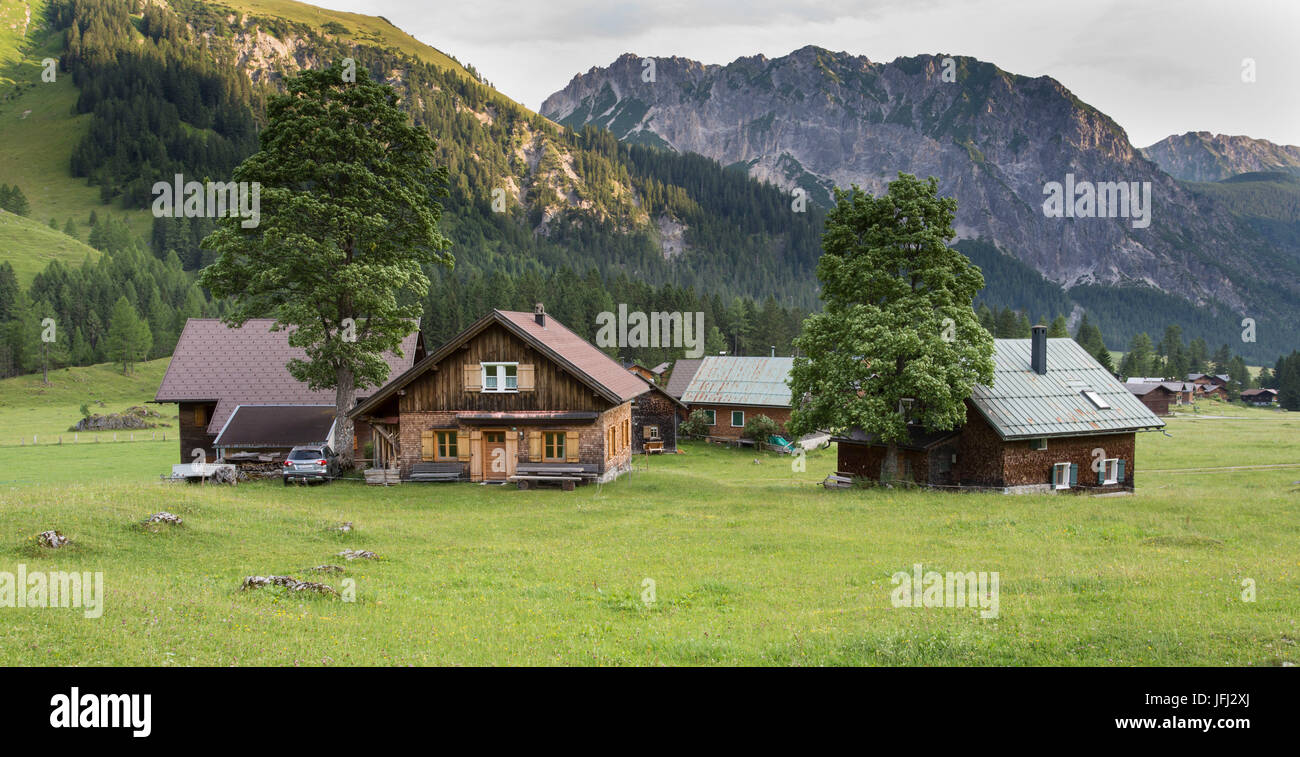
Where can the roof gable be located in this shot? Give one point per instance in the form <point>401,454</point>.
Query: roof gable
<point>554,341</point>
<point>730,380</point>
<point>1022,404</point>
<point>683,371</point>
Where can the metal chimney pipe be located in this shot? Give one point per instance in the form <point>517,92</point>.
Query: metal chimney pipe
<point>1038,350</point>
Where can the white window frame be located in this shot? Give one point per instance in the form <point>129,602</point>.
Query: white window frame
<point>499,374</point>
<point>652,433</point>
<point>733,419</point>
<point>1033,444</point>
<point>1111,468</point>
<point>713,417</point>
<point>1060,481</point>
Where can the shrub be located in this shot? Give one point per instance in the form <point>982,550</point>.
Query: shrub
<point>759,428</point>
<point>696,425</point>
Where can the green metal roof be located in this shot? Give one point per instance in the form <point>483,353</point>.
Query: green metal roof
<point>727,380</point>
<point>1022,404</point>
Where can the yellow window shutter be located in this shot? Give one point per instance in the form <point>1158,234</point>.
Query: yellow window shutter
<point>571,446</point>
<point>473,378</point>
<point>426,445</point>
<point>462,446</point>
<point>534,446</point>
<point>525,377</point>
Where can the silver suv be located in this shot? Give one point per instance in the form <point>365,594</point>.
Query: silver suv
<point>311,464</point>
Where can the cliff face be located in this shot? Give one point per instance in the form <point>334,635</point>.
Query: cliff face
<point>816,119</point>
<point>1202,156</point>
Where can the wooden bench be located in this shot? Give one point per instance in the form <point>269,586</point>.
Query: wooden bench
<point>435,472</point>
<point>567,483</point>
<point>564,474</point>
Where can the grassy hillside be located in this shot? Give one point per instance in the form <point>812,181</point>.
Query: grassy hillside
<point>38,130</point>
<point>751,564</point>
<point>29,407</point>
<point>30,245</point>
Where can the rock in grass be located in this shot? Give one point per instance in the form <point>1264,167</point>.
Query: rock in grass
<point>343,527</point>
<point>165,517</point>
<point>288,582</point>
<point>358,554</point>
<point>51,539</point>
<point>324,569</point>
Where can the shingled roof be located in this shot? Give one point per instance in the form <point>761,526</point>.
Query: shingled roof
<point>554,340</point>
<point>1022,404</point>
<point>683,371</point>
<point>246,366</point>
<point>730,380</point>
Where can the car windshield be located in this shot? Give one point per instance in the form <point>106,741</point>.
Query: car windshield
<point>304,454</point>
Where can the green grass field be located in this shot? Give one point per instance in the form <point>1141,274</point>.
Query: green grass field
<point>30,407</point>
<point>753,564</point>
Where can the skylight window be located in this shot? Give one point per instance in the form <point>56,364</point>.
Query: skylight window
<point>1096,399</point>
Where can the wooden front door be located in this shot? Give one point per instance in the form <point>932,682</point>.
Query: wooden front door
<point>496,459</point>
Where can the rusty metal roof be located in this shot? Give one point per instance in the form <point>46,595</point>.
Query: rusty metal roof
<point>1022,404</point>
<point>727,380</point>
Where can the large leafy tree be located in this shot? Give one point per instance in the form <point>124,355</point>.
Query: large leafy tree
<point>349,220</point>
<point>897,323</point>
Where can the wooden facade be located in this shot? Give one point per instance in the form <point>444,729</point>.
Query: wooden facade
<point>655,417</point>
<point>547,412</point>
<point>976,457</point>
<point>192,424</point>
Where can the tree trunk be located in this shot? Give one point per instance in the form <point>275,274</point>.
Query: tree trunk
<point>889,468</point>
<point>344,395</point>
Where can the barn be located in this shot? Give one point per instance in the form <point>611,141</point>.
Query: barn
<point>1053,420</point>
<point>514,391</point>
<point>217,369</point>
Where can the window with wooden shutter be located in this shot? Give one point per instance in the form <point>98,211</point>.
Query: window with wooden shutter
<point>1119,465</point>
<point>571,446</point>
<point>462,446</point>
<point>553,446</point>
<point>426,445</point>
<point>200,415</point>
<point>473,378</point>
<point>526,380</point>
<point>534,446</point>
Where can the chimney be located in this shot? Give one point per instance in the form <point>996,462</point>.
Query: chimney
<point>1038,352</point>
<point>539,315</point>
<point>774,350</point>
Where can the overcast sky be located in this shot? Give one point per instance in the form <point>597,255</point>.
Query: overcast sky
<point>1157,68</point>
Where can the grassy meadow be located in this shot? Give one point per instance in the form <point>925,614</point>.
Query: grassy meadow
<point>752,564</point>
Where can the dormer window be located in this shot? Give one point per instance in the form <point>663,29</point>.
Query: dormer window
<point>500,377</point>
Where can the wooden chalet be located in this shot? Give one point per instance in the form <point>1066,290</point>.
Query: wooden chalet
<point>216,370</point>
<point>508,397</point>
<point>731,390</point>
<point>1157,397</point>
<point>1054,419</point>
<point>1260,397</point>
